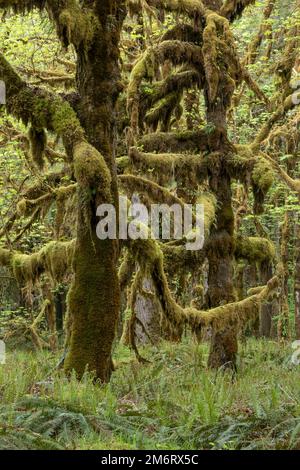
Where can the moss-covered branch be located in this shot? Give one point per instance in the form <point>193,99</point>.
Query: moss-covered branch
<point>293,184</point>
<point>265,27</point>
<point>233,9</point>
<point>192,8</point>
<point>191,169</point>
<point>26,206</point>
<point>177,52</point>
<point>162,97</point>
<point>289,103</point>
<point>55,259</point>
<point>135,184</point>
<point>22,6</point>
<point>184,141</point>
<point>162,111</point>
<point>150,258</point>
<point>39,108</point>
<point>254,249</point>
<point>45,111</point>
<point>219,46</point>
<point>255,87</point>
<point>184,32</point>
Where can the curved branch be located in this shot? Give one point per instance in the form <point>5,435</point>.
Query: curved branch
<point>55,259</point>
<point>185,141</point>
<point>150,259</point>
<point>254,249</point>
<point>192,8</point>
<point>177,52</point>
<point>233,9</point>
<point>293,184</point>
<point>289,103</point>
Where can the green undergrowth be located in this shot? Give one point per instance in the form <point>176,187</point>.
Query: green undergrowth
<point>173,402</point>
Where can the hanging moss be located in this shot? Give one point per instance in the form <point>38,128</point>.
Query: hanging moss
<point>162,111</point>
<point>233,9</point>
<point>262,179</point>
<point>177,52</point>
<point>155,193</point>
<point>144,68</point>
<point>240,163</point>
<point>185,169</point>
<point>40,186</point>
<point>26,206</point>
<point>176,142</point>
<point>55,259</point>
<point>74,26</point>
<point>26,268</point>
<point>184,32</point>
<point>208,200</point>
<point>210,54</point>
<point>254,249</point>
<point>5,257</point>
<point>221,63</point>
<point>42,109</point>
<point>38,141</point>
<point>175,82</point>
<point>193,8</point>
<point>150,258</point>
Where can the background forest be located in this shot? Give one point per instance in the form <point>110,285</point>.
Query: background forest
<point>141,344</point>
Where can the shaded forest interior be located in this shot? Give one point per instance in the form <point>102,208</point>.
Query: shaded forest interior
<point>174,102</point>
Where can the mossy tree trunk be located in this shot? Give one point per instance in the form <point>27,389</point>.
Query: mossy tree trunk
<point>266,317</point>
<point>223,347</point>
<point>94,298</point>
<point>297,282</point>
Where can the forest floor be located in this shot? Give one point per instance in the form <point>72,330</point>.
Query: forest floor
<point>174,402</point>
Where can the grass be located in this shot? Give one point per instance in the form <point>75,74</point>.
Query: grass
<point>172,403</point>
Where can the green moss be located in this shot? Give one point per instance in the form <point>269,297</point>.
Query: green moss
<point>186,170</point>
<point>233,9</point>
<point>210,205</point>
<point>55,259</point>
<point>175,142</point>
<point>255,249</point>
<point>5,257</point>
<point>148,255</point>
<point>162,110</point>
<point>75,27</point>
<point>93,306</point>
<point>38,141</point>
<point>26,268</point>
<point>263,177</point>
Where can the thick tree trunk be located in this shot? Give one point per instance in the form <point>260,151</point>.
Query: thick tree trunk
<point>148,314</point>
<point>224,346</point>
<point>266,317</point>
<point>297,282</point>
<point>283,322</point>
<point>94,298</point>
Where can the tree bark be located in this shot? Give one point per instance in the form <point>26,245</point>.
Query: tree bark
<point>94,298</point>
<point>266,316</point>
<point>224,344</point>
<point>297,282</point>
